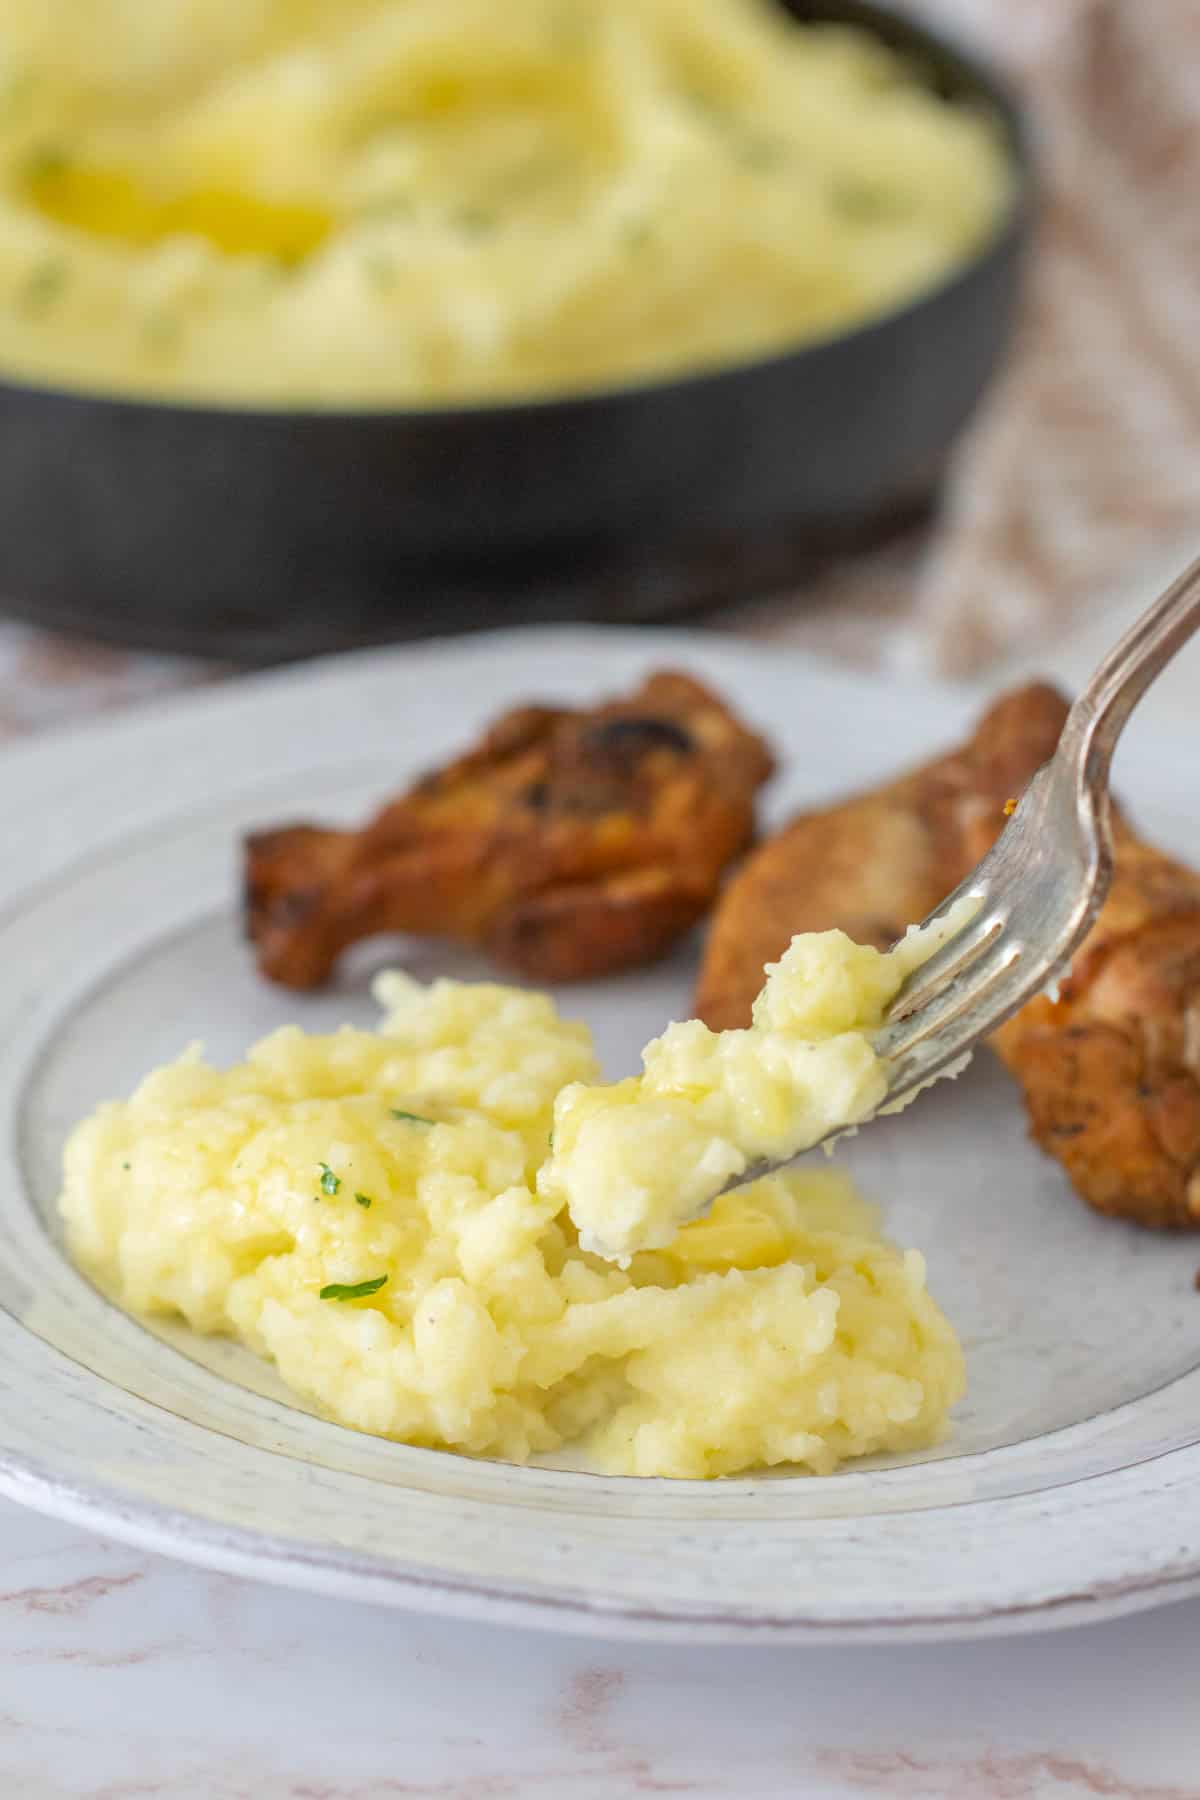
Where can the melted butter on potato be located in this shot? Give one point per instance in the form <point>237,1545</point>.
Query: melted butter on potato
<point>395,1173</point>
<point>126,209</point>
<point>635,1161</point>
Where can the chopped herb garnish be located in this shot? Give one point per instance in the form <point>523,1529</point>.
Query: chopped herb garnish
<point>379,270</point>
<point>352,1290</point>
<point>330,1183</point>
<point>413,1118</point>
<point>383,205</point>
<point>475,220</point>
<point>127,1165</point>
<point>362,1199</point>
<point>761,153</point>
<point>862,200</point>
<point>45,283</point>
<point>707,106</point>
<point>46,162</point>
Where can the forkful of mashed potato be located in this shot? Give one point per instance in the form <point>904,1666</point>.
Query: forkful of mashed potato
<point>636,1161</point>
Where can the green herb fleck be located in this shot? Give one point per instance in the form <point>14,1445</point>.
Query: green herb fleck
<point>330,1183</point>
<point>475,221</point>
<point>363,1199</point>
<point>761,153</point>
<point>352,1290</point>
<point>394,205</point>
<point>705,105</point>
<point>379,270</point>
<point>862,200</point>
<point>44,284</point>
<point>413,1118</point>
<point>127,1166</point>
<point>47,162</point>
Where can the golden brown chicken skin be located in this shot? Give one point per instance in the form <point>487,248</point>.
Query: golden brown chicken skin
<point>1110,1072</point>
<point>568,843</point>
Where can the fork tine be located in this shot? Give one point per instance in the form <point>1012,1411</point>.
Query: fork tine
<point>969,992</point>
<point>945,1049</point>
<point>955,955</point>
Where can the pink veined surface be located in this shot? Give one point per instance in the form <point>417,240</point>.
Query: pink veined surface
<point>125,1676</point>
<point>47,681</point>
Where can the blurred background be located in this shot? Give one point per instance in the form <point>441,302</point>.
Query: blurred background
<point>950,472</point>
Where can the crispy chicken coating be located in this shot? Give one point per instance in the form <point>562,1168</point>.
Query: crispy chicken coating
<point>1110,1072</point>
<point>568,843</point>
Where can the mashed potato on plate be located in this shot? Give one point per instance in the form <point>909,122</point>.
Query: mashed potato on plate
<point>363,1209</point>
<point>426,201</point>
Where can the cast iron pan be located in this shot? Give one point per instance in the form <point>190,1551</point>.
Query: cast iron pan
<point>260,535</point>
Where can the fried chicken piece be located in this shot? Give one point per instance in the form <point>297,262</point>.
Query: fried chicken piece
<point>568,843</point>
<point>1110,1072</point>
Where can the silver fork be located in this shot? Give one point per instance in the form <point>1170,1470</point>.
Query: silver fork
<point>1038,890</point>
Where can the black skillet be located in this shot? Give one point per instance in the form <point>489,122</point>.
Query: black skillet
<point>262,535</point>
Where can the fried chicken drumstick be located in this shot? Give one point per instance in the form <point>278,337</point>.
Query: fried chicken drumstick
<point>568,843</point>
<point>1110,1072</point>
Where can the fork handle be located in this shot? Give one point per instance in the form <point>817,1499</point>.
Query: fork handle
<point>1101,712</point>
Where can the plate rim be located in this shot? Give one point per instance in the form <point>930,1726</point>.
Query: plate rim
<point>292,1563</point>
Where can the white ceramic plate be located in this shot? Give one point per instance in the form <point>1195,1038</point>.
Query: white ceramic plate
<point>1069,1487</point>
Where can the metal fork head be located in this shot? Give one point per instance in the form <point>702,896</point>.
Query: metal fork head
<point>1044,881</point>
<point>1040,887</point>
<point>1038,891</point>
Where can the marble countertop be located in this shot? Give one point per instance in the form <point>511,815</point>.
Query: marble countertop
<point>124,1676</point>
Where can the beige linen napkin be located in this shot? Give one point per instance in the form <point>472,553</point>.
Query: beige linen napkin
<point>1087,451</point>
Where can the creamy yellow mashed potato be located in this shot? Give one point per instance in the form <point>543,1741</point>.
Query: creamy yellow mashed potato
<point>363,1209</point>
<point>305,201</point>
<point>635,1161</point>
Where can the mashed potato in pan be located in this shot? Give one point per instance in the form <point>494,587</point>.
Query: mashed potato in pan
<point>363,1209</point>
<point>299,201</point>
